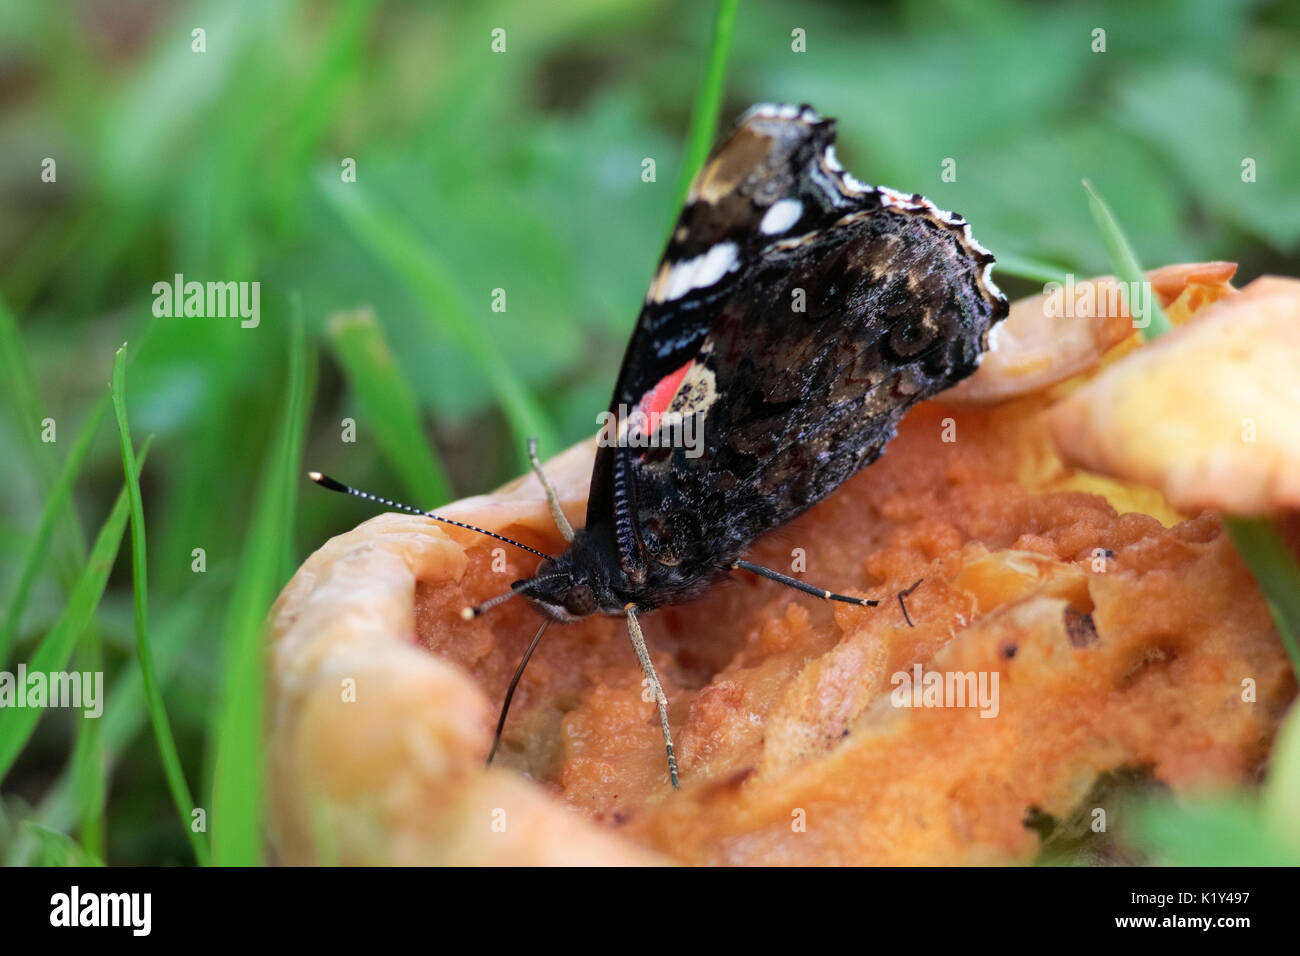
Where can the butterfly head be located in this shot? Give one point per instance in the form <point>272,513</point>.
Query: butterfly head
<point>572,585</point>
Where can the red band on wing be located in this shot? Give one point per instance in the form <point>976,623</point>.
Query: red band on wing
<point>660,397</point>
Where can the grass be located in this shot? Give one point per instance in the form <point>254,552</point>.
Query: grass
<point>88,757</point>
<point>57,515</point>
<point>707,106</point>
<point>171,760</point>
<point>55,848</point>
<point>433,283</point>
<point>239,786</point>
<point>55,650</point>
<point>59,521</point>
<point>1028,268</point>
<point>1275,570</point>
<point>389,403</point>
<point>54,511</point>
<point>30,411</point>
<point>88,775</point>
<point>1125,263</point>
<point>125,715</point>
<point>1224,832</point>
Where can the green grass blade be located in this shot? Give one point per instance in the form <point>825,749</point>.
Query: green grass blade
<point>153,695</point>
<point>389,404</point>
<point>238,783</point>
<point>708,101</point>
<point>289,555</point>
<point>325,832</point>
<point>68,537</point>
<point>1227,831</point>
<point>1274,567</point>
<point>59,532</point>
<point>1256,540</point>
<point>29,410</point>
<point>58,849</point>
<point>1123,260</point>
<point>316,105</point>
<point>89,769</point>
<point>57,517</point>
<point>434,286</point>
<point>1026,267</point>
<point>21,385</point>
<point>124,717</point>
<point>56,504</point>
<point>55,649</point>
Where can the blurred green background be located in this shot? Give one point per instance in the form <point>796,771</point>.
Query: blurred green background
<point>477,171</point>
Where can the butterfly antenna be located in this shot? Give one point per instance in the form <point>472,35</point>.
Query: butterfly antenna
<point>325,481</point>
<point>519,587</point>
<point>514,682</point>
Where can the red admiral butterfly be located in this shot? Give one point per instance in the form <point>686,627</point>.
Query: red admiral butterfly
<point>795,317</point>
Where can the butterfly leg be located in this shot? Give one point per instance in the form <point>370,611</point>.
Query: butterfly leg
<point>552,498</point>
<point>819,592</point>
<point>643,655</point>
<point>902,594</point>
<point>798,585</point>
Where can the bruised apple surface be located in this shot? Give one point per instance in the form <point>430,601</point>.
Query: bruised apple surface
<point>1096,630</point>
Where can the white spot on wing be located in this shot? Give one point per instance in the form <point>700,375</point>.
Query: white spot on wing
<point>698,273</point>
<point>780,111</point>
<point>783,214</point>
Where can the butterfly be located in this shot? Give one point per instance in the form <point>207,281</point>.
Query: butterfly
<point>796,315</point>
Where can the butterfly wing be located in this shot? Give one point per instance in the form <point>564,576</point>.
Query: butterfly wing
<point>796,316</point>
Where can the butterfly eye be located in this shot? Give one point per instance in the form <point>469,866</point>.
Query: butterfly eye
<point>580,601</point>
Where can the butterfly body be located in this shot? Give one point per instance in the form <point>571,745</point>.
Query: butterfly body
<point>587,579</point>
